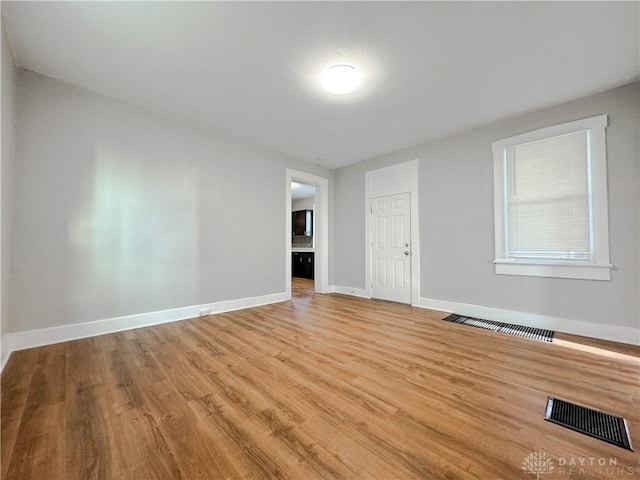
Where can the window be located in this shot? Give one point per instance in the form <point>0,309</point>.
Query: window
<point>551,202</point>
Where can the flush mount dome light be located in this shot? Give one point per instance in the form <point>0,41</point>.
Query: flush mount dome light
<point>340,79</point>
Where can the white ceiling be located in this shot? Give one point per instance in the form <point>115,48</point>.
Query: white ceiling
<point>250,69</point>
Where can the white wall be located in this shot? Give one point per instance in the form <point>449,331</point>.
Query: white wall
<point>456,222</point>
<point>120,211</point>
<point>6,184</point>
<point>302,204</point>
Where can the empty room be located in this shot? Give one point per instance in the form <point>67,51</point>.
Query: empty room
<point>320,240</point>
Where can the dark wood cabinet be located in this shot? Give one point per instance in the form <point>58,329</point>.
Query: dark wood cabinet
<point>302,222</point>
<point>302,264</point>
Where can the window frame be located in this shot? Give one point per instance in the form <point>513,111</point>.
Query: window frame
<point>598,268</point>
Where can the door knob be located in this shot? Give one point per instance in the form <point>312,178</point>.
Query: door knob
<point>406,252</point>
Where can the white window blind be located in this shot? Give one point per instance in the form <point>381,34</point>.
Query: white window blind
<point>550,199</point>
<point>547,199</point>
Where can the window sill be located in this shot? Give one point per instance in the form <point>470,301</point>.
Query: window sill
<point>533,268</point>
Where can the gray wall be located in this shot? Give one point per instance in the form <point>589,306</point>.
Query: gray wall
<point>456,219</point>
<point>121,211</point>
<point>302,204</point>
<point>6,174</point>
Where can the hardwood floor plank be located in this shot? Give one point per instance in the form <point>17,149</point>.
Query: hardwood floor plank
<point>39,451</point>
<point>88,433</point>
<point>143,448</point>
<point>191,445</point>
<point>173,362</point>
<point>19,369</point>
<point>12,411</point>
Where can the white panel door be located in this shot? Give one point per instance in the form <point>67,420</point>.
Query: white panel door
<point>391,248</point>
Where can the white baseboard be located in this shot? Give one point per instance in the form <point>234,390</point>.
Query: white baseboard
<point>4,348</point>
<point>354,292</point>
<point>64,333</point>
<point>595,330</point>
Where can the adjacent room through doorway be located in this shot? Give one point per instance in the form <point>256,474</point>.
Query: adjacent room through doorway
<point>306,232</point>
<point>302,239</point>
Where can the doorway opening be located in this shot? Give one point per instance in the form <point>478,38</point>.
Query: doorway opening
<point>307,237</point>
<point>303,197</point>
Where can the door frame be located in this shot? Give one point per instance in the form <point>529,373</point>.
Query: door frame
<point>399,178</point>
<point>320,233</point>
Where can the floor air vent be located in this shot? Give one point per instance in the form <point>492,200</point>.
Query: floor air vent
<point>511,329</point>
<point>603,426</point>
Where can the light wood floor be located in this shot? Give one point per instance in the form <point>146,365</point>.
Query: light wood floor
<point>324,386</point>
<point>302,287</point>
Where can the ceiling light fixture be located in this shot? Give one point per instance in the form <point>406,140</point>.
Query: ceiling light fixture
<point>340,79</point>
